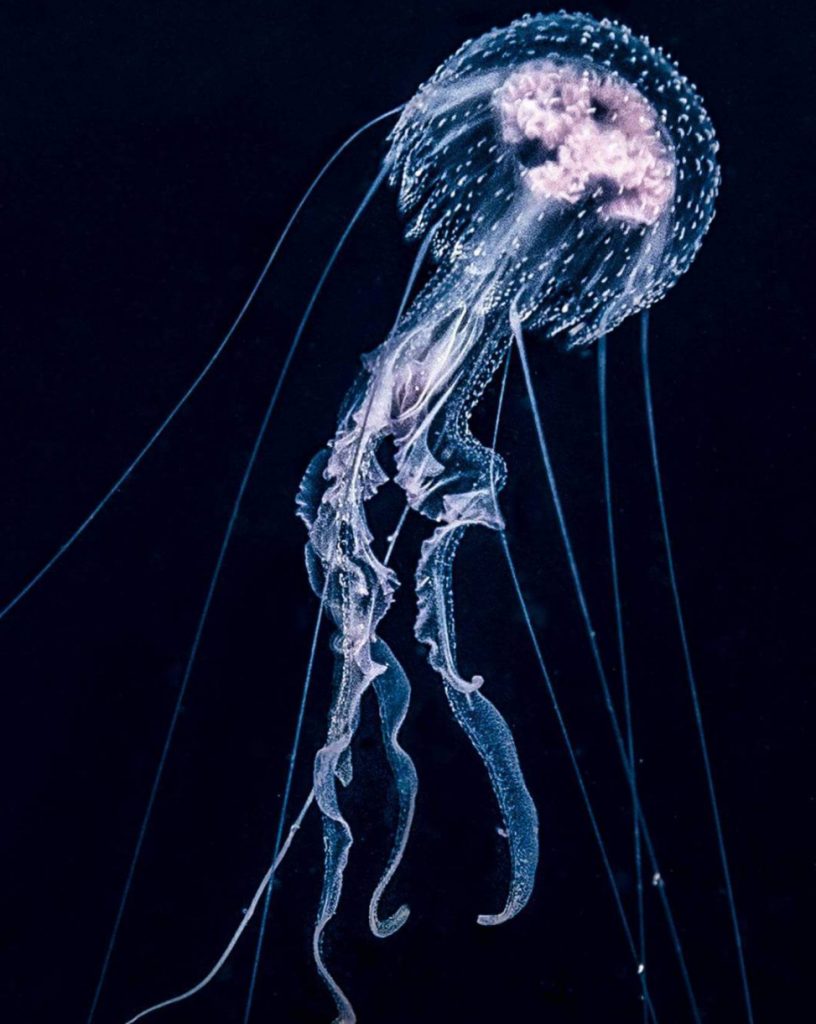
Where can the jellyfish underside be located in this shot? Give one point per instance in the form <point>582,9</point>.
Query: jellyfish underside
<point>553,192</point>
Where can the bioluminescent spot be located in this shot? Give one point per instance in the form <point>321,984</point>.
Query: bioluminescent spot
<point>558,176</point>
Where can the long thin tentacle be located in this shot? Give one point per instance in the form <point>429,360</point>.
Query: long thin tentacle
<point>657,875</point>
<point>622,659</point>
<point>165,423</point>
<point>596,830</point>
<point>562,725</point>
<point>692,681</point>
<point>263,886</point>
<point>290,773</point>
<point>202,620</point>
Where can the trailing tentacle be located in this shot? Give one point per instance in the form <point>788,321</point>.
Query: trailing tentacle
<point>337,840</point>
<point>491,736</point>
<point>358,591</point>
<point>393,695</point>
<point>461,493</point>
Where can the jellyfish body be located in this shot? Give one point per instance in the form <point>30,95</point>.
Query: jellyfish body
<point>561,173</point>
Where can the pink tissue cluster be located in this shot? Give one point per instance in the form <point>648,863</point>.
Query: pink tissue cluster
<point>592,131</point>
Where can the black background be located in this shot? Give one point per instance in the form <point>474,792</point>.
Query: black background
<point>149,154</point>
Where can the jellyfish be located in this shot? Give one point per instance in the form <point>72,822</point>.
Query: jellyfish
<point>562,175</point>
<point>557,176</point>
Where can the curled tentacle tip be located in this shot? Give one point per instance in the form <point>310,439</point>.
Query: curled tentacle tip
<point>491,919</point>
<point>382,929</point>
<point>514,906</point>
<point>464,685</point>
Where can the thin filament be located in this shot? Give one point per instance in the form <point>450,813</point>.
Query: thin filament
<point>248,915</point>
<point>285,802</point>
<point>658,877</point>
<point>562,725</point>
<point>692,682</point>
<point>622,659</point>
<point>233,518</point>
<point>154,437</point>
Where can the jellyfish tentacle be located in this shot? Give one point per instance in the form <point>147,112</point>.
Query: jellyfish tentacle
<point>358,598</point>
<point>466,475</point>
<point>359,591</point>
<point>485,727</point>
<point>393,695</point>
<point>364,659</point>
<point>600,671</point>
<point>191,388</point>
<point>337,841</point>
<point>690,673</point>
<point>491,736</point>
<point>248,916</point>
<point>446,474</point>
<point>332,764</point>
<point>435,619</point>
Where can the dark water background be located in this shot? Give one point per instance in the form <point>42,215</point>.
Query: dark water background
<point>149,154</point>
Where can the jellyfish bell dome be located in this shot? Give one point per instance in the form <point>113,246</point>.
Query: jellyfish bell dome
<point>566,168</point>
